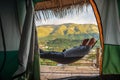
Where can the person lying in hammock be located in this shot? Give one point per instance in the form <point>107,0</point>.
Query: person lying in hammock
<point>69,55</point>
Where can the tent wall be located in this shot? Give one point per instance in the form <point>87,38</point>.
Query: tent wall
<point>21,10</point>
<point>118,3</point>
<point>17,23</point>
<point>35,1</point>
<point>12,39</point>
<point>9,23</point>
<point>109,15</point>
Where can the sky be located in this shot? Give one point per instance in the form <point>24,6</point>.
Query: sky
<point>85,16</point>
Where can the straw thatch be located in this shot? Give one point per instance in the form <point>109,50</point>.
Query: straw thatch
<point>58,8</point>
<point>53,4</point>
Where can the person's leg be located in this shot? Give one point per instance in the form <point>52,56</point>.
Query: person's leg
<point>50,54</point>
<point>84,43</point>
<point>80,50</point>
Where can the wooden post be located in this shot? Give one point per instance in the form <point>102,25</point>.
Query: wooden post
<point>97,57</point>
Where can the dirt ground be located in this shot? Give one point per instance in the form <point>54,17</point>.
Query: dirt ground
<point>69,72</point>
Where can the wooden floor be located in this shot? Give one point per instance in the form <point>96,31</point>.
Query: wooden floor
<point>56,72</point>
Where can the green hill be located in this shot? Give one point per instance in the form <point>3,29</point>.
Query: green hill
<point>66,29</point>
<point>58,37</point>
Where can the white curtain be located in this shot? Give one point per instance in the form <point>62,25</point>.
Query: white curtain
<point>25,40</point>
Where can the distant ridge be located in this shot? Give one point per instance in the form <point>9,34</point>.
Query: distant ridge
<point>66,29</point>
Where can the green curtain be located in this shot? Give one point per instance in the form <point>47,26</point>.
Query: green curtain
<point>111,59</point>
<point>10,66</point>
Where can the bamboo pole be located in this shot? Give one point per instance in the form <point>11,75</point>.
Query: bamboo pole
<point>100,29</point>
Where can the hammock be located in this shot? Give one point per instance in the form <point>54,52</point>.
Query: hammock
<point>60,58</point>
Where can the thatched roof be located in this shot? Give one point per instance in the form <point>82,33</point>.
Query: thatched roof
<point>49,9</point>
<point>53,4</point>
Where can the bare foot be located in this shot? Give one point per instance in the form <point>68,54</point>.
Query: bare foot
<point>85,41</point>
<point>92,42</point>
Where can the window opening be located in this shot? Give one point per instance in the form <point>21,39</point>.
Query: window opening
<point>63,30</point>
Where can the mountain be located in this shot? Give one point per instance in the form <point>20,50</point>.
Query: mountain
<point>66,29</point>
<point>59,37</point>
